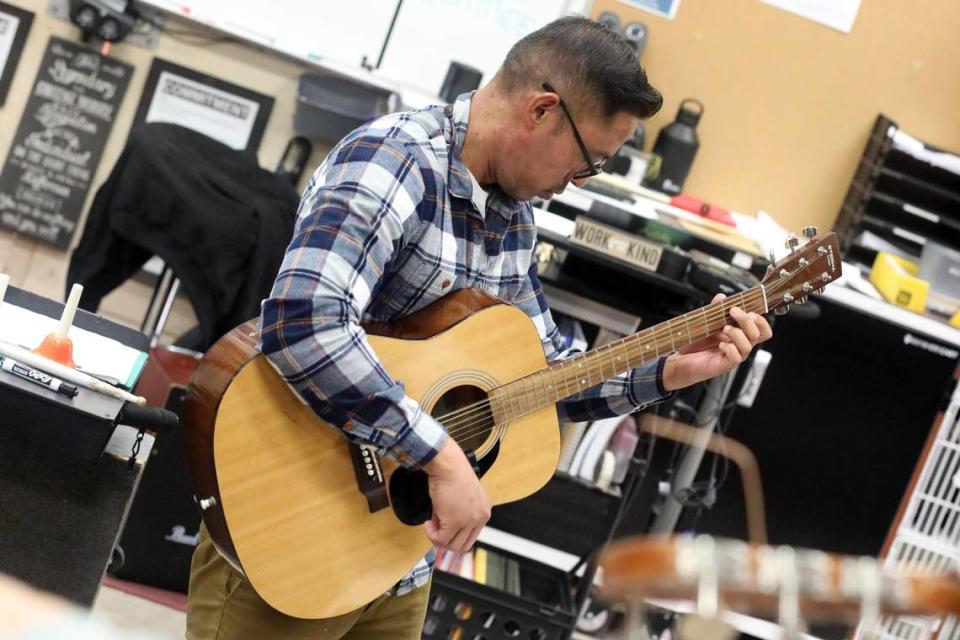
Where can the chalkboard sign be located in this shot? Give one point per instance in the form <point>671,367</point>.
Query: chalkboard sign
<point>58,144</point>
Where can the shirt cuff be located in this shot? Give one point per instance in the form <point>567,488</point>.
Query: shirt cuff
<point>418,445</point>
<point>646,384</point>
<point>662,390</point>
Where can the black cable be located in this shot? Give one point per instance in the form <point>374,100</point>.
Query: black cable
<point>196,37</point>
<point>386,40</point>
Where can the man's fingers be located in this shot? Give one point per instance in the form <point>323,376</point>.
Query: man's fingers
<point>746,323</point>
<point>436,534</point>
<point>462,541</point>
<point>740,342</point>
<point>732,353</point>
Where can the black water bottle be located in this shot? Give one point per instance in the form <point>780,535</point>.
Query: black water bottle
<point>676,145</point>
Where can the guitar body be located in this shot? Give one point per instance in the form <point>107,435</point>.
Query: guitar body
<point>288,511</point>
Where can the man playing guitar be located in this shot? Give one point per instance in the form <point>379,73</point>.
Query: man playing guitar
<point>406,210</point>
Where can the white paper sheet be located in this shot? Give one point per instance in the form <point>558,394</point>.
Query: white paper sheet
<point>836,14</point>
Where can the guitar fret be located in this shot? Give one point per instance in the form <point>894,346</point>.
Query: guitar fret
<point>584,371</point>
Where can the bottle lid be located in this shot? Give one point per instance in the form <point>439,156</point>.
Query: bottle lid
<point>690,116</point>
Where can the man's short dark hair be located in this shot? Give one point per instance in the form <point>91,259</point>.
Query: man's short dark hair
<point>590,65</point>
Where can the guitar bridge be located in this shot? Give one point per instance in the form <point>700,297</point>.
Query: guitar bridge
<point>369,474</point>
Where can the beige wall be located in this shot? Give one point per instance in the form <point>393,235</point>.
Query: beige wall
<point>40,269</point>
<point>789,103</point>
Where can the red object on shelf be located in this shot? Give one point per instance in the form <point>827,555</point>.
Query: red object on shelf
<point>57,349</point>
<point>705,209</point>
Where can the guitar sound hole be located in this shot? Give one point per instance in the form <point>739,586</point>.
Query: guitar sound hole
<point>465,412</point>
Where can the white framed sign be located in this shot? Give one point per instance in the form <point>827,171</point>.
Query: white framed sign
<point>14,27</point>
<point>231,114</point>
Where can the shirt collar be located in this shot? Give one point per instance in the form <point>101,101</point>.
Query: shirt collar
<point>458,181</point>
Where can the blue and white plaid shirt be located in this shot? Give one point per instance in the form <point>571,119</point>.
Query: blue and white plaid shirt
<point>386,226</point>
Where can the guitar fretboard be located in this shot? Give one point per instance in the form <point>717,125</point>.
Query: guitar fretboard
<point>574,375</point>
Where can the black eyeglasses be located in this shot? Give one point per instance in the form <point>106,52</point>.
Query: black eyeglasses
<point>593,168</point>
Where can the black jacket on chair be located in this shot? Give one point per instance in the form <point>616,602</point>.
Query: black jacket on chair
<point>210,212</point>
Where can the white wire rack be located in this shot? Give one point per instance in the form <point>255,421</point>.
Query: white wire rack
<point>928,536</point>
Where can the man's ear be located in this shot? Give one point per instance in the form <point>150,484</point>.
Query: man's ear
<point>540,108</point>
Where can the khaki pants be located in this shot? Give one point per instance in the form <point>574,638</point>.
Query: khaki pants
<point>221,605</point>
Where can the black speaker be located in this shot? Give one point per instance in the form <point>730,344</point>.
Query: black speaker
<point>460,79</point>
<point>164,522</point>
<point>109,20</point>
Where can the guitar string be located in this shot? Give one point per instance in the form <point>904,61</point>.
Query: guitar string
<point>460,422</point>
<point>482,424</point>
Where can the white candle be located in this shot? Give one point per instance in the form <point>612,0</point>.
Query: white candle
<point>69,311</point>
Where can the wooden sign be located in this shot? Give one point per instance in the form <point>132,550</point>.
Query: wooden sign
<point>616,243</point>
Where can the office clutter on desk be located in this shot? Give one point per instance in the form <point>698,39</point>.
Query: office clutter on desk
<point>100,361</point>
<point>72,410</point>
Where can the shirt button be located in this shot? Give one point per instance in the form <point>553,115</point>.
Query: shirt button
<point>477,224</point>
<point>445,283</point>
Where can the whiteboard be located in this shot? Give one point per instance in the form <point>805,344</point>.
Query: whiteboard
<point>318,31</point>
<point>427,36</point>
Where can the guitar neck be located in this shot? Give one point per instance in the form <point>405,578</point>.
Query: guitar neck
<point>574,375</point>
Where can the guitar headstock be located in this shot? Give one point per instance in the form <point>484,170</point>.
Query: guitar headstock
<point>807,268</point>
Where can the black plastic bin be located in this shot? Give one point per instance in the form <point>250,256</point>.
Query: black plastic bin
<point>461,609</point>
<point>329,107</point>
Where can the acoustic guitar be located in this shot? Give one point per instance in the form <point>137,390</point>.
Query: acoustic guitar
<point>279,488</point>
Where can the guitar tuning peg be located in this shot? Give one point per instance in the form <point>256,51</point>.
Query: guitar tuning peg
<point>792,243</point>
<point>781,311</point>
<point>809,231</point>
<point>801,300</point>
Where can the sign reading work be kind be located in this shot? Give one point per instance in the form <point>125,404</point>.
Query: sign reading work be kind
<point>58,145</point>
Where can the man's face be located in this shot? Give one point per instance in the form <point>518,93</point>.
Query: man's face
<point>550,158</point>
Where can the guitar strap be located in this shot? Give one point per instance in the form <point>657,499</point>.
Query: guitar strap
<point>369,475</point>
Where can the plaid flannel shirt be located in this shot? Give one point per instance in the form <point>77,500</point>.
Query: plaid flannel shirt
<point>386,226</point>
